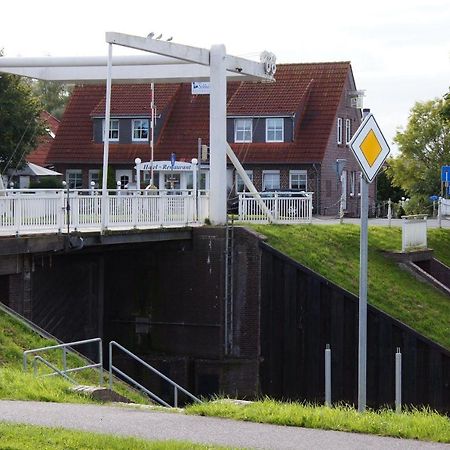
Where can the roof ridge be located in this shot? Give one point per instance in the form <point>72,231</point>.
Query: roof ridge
<point>310,63</point>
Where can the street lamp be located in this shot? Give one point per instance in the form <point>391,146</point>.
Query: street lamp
<point>66,186</point>
<point>138,161</point>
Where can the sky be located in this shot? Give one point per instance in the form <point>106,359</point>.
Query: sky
<point>399,49</point>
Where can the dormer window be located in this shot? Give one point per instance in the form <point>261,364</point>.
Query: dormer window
<point>140,130</point>
<point>243,130</point>
<point>274,130</point>
<point>113,129</point>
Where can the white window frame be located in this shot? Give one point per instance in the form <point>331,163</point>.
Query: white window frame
<point>239,180</point>
<point>111,129</point>
<point>91,173</point>
<point>78,173</point>
<point>243,130</point>
<point>275,129</point>
<point>139,129</point>
<point>339,130</point>
<point>348,131</point>
<point>352,183</point>
<point>270,172</point>
<point>297,173</point>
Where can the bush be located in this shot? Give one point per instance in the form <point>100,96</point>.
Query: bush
<point>418,204</point>
<point>50,182</point>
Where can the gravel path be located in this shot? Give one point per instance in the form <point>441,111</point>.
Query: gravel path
<point>148,424</point>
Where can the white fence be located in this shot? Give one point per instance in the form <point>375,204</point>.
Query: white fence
<point>414,232</point>
<point>282,207</point>
<point>26,211</point>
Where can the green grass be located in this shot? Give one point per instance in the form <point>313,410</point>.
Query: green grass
<point>423,425</point>
<point>27,437</point>
<point>333,252</point>
<point>15,384</point>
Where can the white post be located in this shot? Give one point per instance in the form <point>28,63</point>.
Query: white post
<point>328,376</point>
<point>341,204</point>
<point>194,186</point>
<point>440,212</point>
<point>138,161</point>
<point>218,136</point>
<point>152,138</point>
<point>106,138</point>
<point>389,214</point>
<point>398,381</point>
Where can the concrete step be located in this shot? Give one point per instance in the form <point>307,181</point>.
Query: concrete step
<point>100,393</point>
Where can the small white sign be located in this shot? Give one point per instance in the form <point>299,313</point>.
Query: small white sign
<point>200,88</point>
<point>166,166</point>
<point>369,147</point>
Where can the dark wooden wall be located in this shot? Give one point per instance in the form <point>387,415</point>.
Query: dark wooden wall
<point>301,312</point>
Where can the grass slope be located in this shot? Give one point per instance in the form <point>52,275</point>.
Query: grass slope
<point>333,252</point>
<point>27,437</point>
<point>422,425</point>
<point>17,385</point>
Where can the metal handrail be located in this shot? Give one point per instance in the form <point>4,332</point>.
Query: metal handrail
<point>51,366</point>
<point>176,386</point>
<point>64,347</point>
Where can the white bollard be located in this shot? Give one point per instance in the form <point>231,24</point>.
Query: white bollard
<point>328,376</point>
<point>398,381</point>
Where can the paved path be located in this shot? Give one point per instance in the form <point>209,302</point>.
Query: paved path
<point>161,426</point>
<point>325,220</point>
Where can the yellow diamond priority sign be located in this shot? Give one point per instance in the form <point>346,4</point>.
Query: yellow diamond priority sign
<point>369,147</point>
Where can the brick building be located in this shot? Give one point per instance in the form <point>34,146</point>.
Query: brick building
<point>287,134</point>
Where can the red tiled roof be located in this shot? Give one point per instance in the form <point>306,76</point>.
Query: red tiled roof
<point>324,84</point>
<point>309,92</point>
<point>270,98</point>
<point>39,154</point>
<point>135,99</point>
<point>74,139</point>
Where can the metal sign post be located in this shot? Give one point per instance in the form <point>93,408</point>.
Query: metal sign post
<point>362,324</point>
<point>370,150</point>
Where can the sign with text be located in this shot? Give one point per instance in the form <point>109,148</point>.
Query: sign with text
<point>445,174</point>
<point>166,165</point>
<point>200,88</point>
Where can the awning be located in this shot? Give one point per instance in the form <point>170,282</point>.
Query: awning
<point>34,170</point>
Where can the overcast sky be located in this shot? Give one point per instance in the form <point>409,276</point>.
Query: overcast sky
<point>399,49</point>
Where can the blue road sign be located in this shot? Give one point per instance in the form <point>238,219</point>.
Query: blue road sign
<point>445,173</point>
<point>173,158</point>
<point>434,198</point>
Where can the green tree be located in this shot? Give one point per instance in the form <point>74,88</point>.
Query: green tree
<point>53,96</point>
<point>385,189</point>
<point>424,147</point>
<point>20,125</point>
<point>446,107</point>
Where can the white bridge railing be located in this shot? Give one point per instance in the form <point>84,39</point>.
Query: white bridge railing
<point>27,211</point>
<point>284,207</point>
